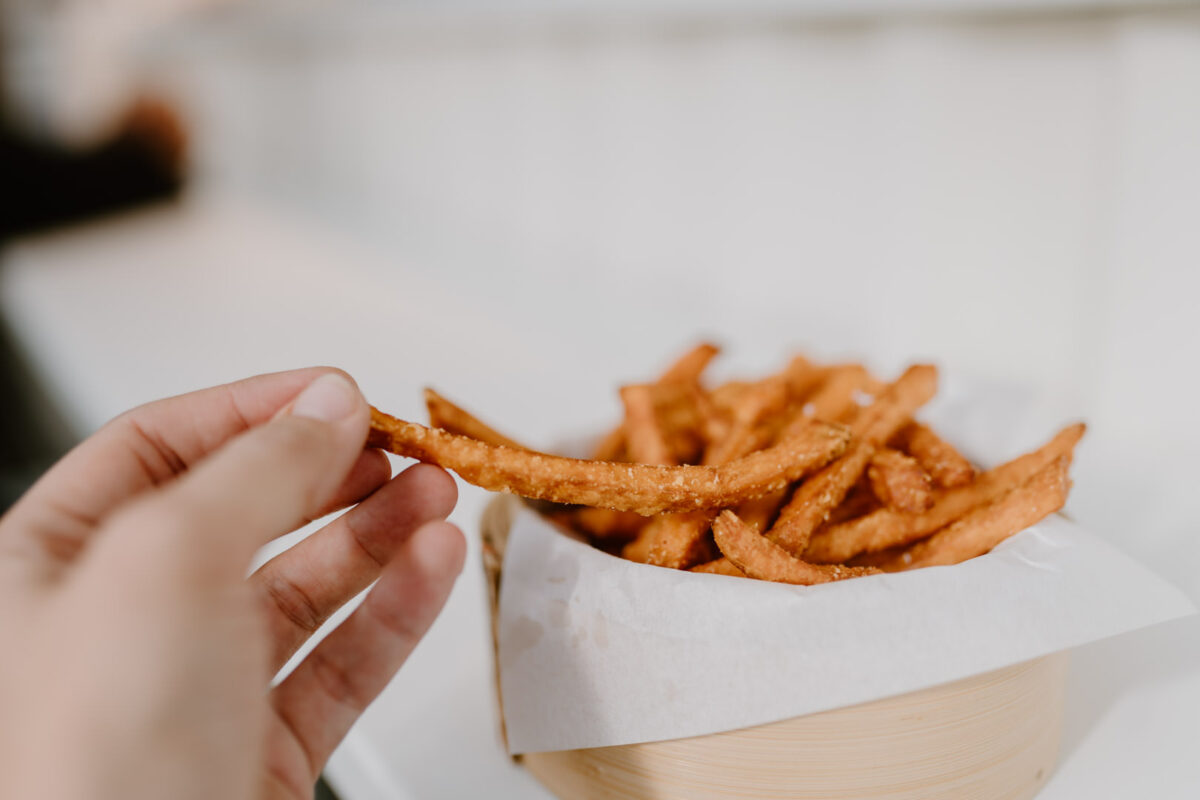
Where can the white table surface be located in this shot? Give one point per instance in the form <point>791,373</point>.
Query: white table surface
<point>185,296</point>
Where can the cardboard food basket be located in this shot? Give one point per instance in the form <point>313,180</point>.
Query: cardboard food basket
<point>598,702</point>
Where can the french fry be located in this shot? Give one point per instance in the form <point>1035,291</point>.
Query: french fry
<point>945,465</point>
<point>816,498</point>
<point>682,376</point>
<point>645,489</point>
<point>691,365</point>
<point>678,540</point>
<point>834,399</point>
<point>759,558</point>
<point>986,526</point>
<point>899,482</point>
<point>604,523</point>
<point>643,437</point>
<point>447,416</point>
<point>886,528</point>
<point>719,566</point>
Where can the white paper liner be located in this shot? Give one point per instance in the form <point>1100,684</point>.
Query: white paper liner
<point>596,651</point>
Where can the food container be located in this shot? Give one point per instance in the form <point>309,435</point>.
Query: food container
<point>992,734</point>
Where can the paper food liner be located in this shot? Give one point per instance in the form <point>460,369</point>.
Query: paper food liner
<point>595,651</point>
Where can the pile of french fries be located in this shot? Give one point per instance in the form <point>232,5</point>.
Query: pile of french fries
<point>812,474</point>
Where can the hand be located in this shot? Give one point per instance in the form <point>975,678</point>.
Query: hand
<point>137,655</point>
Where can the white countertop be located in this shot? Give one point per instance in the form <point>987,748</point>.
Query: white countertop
<point>181,297</point>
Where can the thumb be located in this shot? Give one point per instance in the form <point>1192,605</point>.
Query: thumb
<point>258,486</point>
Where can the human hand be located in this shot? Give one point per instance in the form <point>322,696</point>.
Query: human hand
<point>137,656</point>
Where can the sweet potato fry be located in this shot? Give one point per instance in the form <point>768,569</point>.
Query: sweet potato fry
<point>986,526</point>
<point>886,528</point>
<point>691,365</point>
<point>685,371</point>
<point>816,498</point>
<point>678,540</point>
<point>643,437</point>
<point>945,465</point>
<point>645,489</point>
<point>719,566</point>
<point>879,421</point>
<point>899,482</point>
<point>449,417</point>
<point>759,558</point>
<point>834,399</point>
<point>603,523</point>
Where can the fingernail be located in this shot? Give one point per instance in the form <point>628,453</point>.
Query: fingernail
<point>329,398</point>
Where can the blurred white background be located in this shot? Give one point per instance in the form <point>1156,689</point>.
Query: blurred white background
<point>525,208</point>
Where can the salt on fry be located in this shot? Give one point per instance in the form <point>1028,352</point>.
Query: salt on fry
<point>945,465</point>
<point>643,488</point>
<point>886,528</point>
<point>899,482</point>
<point>986,526</point>
<point>759,558</point>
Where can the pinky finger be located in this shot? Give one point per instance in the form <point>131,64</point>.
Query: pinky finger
<point>329,690</point>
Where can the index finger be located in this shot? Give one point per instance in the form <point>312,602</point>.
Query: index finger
<point>140,449</point>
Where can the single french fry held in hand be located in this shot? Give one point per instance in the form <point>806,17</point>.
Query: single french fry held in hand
<point>643,488</point>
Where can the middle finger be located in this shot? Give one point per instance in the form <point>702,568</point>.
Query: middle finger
<point>304,585</point>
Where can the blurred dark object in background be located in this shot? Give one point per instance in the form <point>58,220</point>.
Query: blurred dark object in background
<point>45,185</point>
<point>33,435</point>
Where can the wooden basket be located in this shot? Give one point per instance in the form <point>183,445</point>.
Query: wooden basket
<point>988,737</point>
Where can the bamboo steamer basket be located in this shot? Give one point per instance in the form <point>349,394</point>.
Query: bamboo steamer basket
<point>992,736</point>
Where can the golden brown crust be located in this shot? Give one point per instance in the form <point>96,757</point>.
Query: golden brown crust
<point>886,528</point>
<point>945,465</point>
<point>643,437</point>
<point>987,526</point>
<point>899,482</point>
<point>759,558</point>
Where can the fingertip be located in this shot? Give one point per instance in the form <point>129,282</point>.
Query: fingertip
<point>435,487</point>
<point>440,548</point>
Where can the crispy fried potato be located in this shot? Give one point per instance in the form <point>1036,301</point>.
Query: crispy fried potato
<point>643,437</point>
<point>449,417</point>
<point>886,528</point>
<point>817,497</point>
<point>986,526</point>
<point>759,558</point>
<point>945,465</point>
<point>899,482</point>
<point>645,489</point>
<point>719,566</point>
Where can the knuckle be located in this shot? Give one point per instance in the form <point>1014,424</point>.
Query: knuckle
<point>295,604</point>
